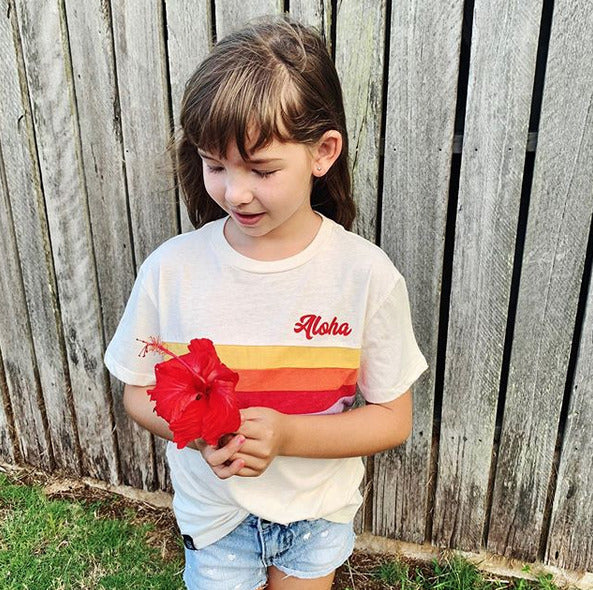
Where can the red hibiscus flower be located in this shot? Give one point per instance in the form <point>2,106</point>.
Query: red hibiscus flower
<point>194,392</point>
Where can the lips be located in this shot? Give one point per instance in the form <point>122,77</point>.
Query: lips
<point>247,218</point>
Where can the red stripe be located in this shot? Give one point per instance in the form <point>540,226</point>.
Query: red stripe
<point>294,402</point>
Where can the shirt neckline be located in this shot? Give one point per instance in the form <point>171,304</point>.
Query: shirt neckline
<point>228,254</point>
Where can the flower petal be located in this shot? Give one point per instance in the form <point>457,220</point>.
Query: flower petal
<point>188,426</point>
<point>222,415</point>
<point>202,356</point>
<point>175,388</point>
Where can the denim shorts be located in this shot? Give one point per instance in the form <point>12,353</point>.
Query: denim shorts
<point>239,561</point>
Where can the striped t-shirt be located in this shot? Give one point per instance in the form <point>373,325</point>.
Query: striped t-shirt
<point>302,333</point>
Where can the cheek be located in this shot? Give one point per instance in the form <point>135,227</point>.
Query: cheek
<point>213,185</point>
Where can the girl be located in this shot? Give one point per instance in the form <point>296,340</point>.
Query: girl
<point>302,309</point>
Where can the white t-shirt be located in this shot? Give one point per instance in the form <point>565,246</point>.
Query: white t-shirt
<point>301,332</point>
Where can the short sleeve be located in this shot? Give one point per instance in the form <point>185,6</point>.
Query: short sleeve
<point>140,320</point>
<point>390,358</point>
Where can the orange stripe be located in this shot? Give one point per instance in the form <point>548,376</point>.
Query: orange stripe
<point>295,379</point>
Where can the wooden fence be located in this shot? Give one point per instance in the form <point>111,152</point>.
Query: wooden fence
<point>472,148</point>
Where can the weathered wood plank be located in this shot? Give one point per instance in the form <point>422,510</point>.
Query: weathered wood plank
<point>141,69</point>
<point>188,39</point>
<point>361,74</point>
<point>570,542</point>
<point>91,45</point>
<point>46,59</point>
<point>232,14</point>
<point>555,246</point>
<point>23,189</point>
<point>423,60</point>
<point>17,348</point>
<point>504,48</point>
<point>314,13</point>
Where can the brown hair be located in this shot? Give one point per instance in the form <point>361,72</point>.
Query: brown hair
<point>275,77</point>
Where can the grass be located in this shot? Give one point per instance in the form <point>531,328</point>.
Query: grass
<point>57,538</point>
<point>448,573</point>
<point>57,544</point>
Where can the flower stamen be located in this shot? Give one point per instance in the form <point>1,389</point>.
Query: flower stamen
<point>155,344</point>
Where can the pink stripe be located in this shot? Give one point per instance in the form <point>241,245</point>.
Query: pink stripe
<point>340,406</point>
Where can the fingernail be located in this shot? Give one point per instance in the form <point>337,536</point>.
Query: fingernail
<point>241,440</point>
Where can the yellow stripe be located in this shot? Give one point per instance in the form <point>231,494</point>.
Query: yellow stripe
<point>275,357</point>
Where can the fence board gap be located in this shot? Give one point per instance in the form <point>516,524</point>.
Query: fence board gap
<point>465,50</point>
<point>540,68</point>
<point>443,326</point>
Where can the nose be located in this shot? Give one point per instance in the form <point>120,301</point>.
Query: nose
<point>237,191</point>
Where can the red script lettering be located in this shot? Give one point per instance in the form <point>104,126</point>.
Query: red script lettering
<point>312,325</point>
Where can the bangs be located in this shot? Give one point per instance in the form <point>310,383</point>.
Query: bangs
<point>250,106</point>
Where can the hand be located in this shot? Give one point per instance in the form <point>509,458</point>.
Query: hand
<point>265,432</point>
<point>223,461</point>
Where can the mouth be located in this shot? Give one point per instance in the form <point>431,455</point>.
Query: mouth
<point>247,218</point>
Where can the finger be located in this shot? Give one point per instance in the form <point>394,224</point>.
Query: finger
<point>247,472</point>
<point>225,471</point>
<point>252,413</point>
<point>252,462</point>
<point>215,457</point>
<point>250,429</point>
<point>253,450</point>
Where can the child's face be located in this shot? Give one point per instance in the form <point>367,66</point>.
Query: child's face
<point>267,196</point>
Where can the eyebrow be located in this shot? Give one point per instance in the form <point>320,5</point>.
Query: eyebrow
<point>250,161</point>
<point>264,160</point>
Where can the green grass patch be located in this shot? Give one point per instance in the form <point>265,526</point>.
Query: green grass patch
<point>455,573</point>
<point>56,544</point>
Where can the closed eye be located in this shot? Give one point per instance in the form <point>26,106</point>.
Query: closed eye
<point>264,173</point>
<point>214,169</point>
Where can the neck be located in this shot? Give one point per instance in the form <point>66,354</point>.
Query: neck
<point>275,245</point>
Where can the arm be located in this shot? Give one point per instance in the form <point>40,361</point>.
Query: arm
<point>360,432</point>
<point>363,431</point>
<point>140,408</point>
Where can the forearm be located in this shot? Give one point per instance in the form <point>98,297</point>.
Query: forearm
<point>140,408</point>
<point>360,432</point>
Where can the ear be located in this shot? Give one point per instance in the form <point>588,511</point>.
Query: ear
<point>326,151</point>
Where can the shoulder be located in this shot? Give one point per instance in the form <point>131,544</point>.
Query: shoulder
<point>181,250</point>
<point>363,255</point>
